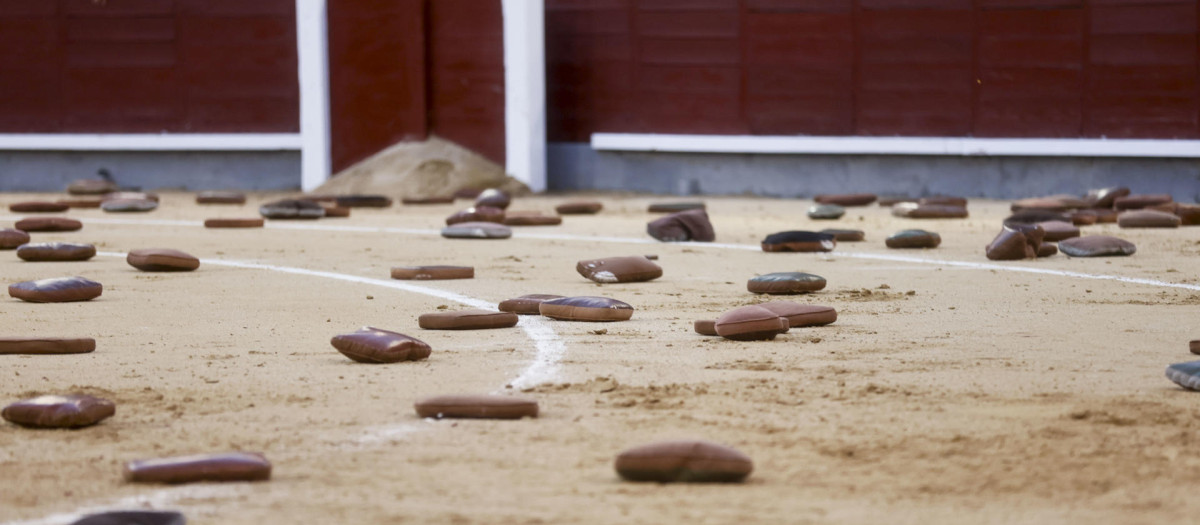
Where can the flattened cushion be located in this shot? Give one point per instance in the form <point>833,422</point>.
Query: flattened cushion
<point>586,308</point>
<point>37,207</point>
<point>471,319</point>
<point>56,290</point>
<point>91,187</point>
<point>824,212</point>
<point>234,223</point>
<point>705,327</point>
<point>477,214</point>
<point>433,273</point>
<point>1096,246</point>
<point>530,218</point>
<point>1105,197</point>
<point>11,238</point>
<point>48,224</point>
<point>220,197</point>
<point>801,315</point>
<point>526,304</point>
<point>476,407</point>
<point>1148,219</point>
<point>494,198</point>
<point>1134,202</point>
<point>798,241</point>
<point>46,345</point>
<point>477,230</point>
<point>619,269</point>
<point>128,205</point>
<point>162,260</point>
<point>750,323</point>
<point>913,239</point>
<point>291,209</point>
<point>786,283</point>
<point>579,208</point>
<point>427,200</point>
<point>71,411</point>
<point>929,211</point>
<point>133,517</point>
<point>229,466</point>
<point>846,199</point>
<point>363,201</point>
<point>691,225</point>
<point>674,207</point>
<point>845,235</point>
<point>373,345</point>
<point>683,461</point>
<point>56,251</point>
<point>1059,230</point>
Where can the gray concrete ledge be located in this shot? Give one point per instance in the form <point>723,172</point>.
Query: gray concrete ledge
<point>576,166</point>
<point>201,170</point>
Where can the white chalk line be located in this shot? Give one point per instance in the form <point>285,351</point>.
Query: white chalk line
<point>549,351</point>
<point>633,240</point>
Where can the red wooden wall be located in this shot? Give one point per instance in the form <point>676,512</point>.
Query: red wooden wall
<point>133,66</point>
<point>466,74</point>
<point>994,68</point>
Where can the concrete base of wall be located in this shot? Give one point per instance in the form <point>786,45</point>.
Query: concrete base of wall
<point>575,166</point>
<point>53,170</point>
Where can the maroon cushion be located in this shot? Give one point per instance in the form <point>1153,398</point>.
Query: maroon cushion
<point>683,461</point>
<point>230,466</point>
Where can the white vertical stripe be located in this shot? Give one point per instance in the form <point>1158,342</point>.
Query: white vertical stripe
<point>525,92</point>
<point>313,54</point>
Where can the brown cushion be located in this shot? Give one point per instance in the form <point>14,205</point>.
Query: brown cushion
<point>691,225</point>
<point>337,212</point>
<point>1104,197</point>
<point>131,195</point>
<point>913,239</point>
<point>586,308</point>
<point>801,315</point>
<point>798,241</point>
<point>427,200</point>
<point>1096,246</point>
<point>162,260</point>
<point>363,201</point>
<point>944,200</point>
<point>471,319</point>
<point>845,235</point>
<point>477,214</point>
<point>1046,249</point>
<point>476,407</point>
<point>674,207</point>
<point>11,238</point>
<point>494,198</point>
<point>1134,202</point>
<point>1194,346</point>
<point>1010,245</point>
<point>133,517</point>
<point>785,283</point>
<point>71,411</point>
<point>750,323</point>
<point>826,212</point>
<point>234,223</point>
<point>372,345</point>
<point>477,230</point>
<point>619,269</point>
<point>530,218</point>
<point>579,208</point>
<point>46,345</point>
<point>81,203</point>
<point>56,251</point>
<point>128,205</point>
<point>37,207</point>
<point>229,466</point>
<point>1035,216</point>
<point>91,187</point>
<point>220,197</point>
<point>323,199</point>
<point>705,326</point>
<point>1148,219</point>
<point>847,199</point>
<point>56,290</point>
<point>1084,217</point>
<point>1189,214</point>
<point>929,211</point>
<point>683,461</point>
<point>1052,203</point>
<point>892,200</point>
<point>1059,230</point>
<point>48,224</point>
<point>526,304</point>
<point>433,273</point>
<point>467,193</point>
<point>291,209</point>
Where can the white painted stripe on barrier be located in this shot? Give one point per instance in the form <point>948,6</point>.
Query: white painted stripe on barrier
<point>549,352</point>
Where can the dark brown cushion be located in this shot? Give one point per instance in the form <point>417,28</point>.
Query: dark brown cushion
<point>229,466</point>
<point>128,205</point>
<point>467,193</point>
<point>798,241</point>
<point>363,201</point>
<point>234,223</point>
<point>1194,346</point>
<point>579,208</point>
<point>944,200</point>
<point>526,304</point>
<point>785,283</point>
<point>1134,202</point>
<point>1035,216</point>
<point>131,195</point>
<point>46,345</point>
<point>691,225</point>
<point>337,212</point>
<point>750,323</point>
<point>291,209</point>
<point>372,345</point>
<point>674,207</point>
<point>220,197</point>
<point>56,290</point>
<point>37,207</point>
<point>1148,219</point>
<point>476,407</point>
<point>1189,214</point>
<point>802,315</point>
<point>81,203</point>
<point>1059,230</point>
<point>929,211</point>
<point>477,214</point>
<point>846,199</point>
<point>705,326</point>
<point>471,319</point>
<point>433,273</point>
<point>133,517</point>
<point>162,260</point>
<point>619,269</point>
<point>586,308</point>
<point>11,238</point>
<point>1010,245</point>
<point>1105,197</point>
<point>683,461</point>
<point>845,235</point>
<point>48,224</point>
<point>91,187</point>
<point>56,251</point>
<point>1046,249</point>
<point>826,212</point>
<point>477,230</point>
<point>72,411</point>
<point>427,200</point>
<point>494,198</point>
<point>1086,217</point>
<point>913,239</point>
<point>1059,203</point>
<point>530,218</point>
<point>1096,246</point>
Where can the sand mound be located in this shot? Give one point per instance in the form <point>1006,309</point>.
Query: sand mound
<point>432,168</point>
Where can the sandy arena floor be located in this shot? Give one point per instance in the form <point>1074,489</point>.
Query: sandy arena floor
<point>945,393</point>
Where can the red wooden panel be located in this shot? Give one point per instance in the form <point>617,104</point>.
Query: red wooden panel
<point>117,8</point>
<point>713,51</point>
<point>686,5</point>
<point>1026,4</point>
<point>578,23</point>
<point>714,24</point>
<point>30,100</point>
<point>788,6</point>
<point>29,43</point>
<point>242,8</point>
<point>586,50</point>
<point>121,55</point>
<point>27,8</point>
<point>915,4</point>
<point>120,29</point>
<point>1165,50</point>
<point>110,99</point>
<point>690,79</point>
<point>466,74</point>
<point>1144,20</point>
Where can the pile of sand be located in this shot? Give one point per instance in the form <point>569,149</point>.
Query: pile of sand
<point>432,168</point>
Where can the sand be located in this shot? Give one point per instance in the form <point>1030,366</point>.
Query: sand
<point>943,394</point>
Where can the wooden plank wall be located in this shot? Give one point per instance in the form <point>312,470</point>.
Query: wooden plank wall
<point>990,68</point>
<point>148,66</point>
<point>465,81</point>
